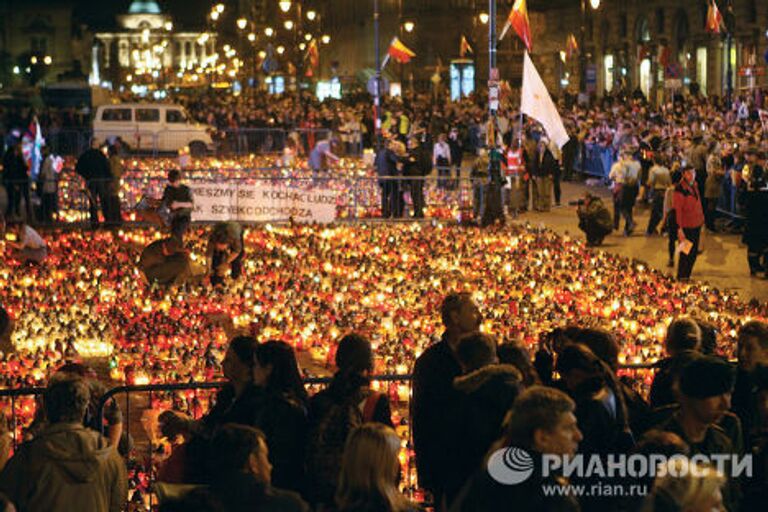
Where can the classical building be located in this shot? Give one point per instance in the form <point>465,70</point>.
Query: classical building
<point>146,46</point>
<point>649,44</point>
<point>40,43</point>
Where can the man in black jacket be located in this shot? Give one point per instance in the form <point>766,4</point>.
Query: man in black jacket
<point>435,401</point>
<point>93,166</point>
<point>386,167</point>
<point>541,422</point>
<point>488,390</point>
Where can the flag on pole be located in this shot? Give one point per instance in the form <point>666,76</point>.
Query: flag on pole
<point>536,102</point>
<point>314,57</point>
<point>571,46</point>
<point>400,52</point>
<point>714,19</point>
<point>518,19</point>
<point>464,47</point>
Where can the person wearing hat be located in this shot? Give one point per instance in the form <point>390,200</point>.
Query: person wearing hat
<point>704,393</point>
<point>689,215</point>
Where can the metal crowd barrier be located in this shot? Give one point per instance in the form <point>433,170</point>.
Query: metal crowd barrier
<point>357,196</point>
<point>219,142</point>
<point>597,160</point>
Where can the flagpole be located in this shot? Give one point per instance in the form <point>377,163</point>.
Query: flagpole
<point>729,43</point>
<point>377,98</point>
<point>492,208</point>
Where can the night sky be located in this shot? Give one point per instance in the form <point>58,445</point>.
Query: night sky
<point>186,13</point>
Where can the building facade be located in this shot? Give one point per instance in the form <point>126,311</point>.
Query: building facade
<point>653,45</point>
<point>146,47</point>
<point>40,43</point>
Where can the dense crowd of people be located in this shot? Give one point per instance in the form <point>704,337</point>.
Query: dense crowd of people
<point>260,306</point>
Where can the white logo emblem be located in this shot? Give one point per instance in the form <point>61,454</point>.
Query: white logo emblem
<point>510,466</point>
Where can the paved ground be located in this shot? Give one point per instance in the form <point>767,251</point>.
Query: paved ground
<point>723,263</point>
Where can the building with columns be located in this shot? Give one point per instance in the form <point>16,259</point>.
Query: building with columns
<point>147,46</point>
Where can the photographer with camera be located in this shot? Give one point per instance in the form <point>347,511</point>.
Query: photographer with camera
<point>594,219</point>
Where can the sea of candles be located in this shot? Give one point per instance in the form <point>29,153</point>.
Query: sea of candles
<point>309,285</point>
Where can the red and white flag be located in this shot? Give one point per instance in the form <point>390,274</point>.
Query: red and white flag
<point>715,22</point>
<point>518,19</point>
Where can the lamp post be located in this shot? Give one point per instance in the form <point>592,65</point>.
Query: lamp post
<point>594,4</point>
<point>377,97</point>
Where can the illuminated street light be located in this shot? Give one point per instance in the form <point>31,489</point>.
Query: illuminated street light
<point>307,37</point>
<point>281,49</point>
<point>288,25</point>
<point>326,39</point>
<point>595,4</point>
<point>484,18</point>
<point>269,31</point>
<point>168,26</point>
<point>285,5</point>
<point>219,8</point>
<point>262,54</point>
<point>215,15</point>
<point>47,60</point>
<point>251,37</point>
<point>242,23</point>
<point>408,26</point>
<point>302,46</point>
<point>33,60</point>
<point>311,15</point>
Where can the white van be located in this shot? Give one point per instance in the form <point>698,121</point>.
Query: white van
<point>152,127</point>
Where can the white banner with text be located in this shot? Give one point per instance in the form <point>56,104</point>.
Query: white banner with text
<point>225,201</point>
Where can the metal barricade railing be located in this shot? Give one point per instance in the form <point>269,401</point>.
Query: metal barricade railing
<point>167,139</point>
<point>19,409</point>
<point>356,196</point>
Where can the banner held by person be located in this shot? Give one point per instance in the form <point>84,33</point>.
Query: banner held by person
<point>536,102</point>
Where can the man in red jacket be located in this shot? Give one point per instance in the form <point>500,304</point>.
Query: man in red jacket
<point>690,217</point>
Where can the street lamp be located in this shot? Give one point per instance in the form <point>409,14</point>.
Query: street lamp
<point>285,5</point>
<point>280,49</point>
<point>308,37</point>
<point>219,8</point>
<point>409,26</point>
<point>168,26</point>
<point>251,37</point>
<point>594,4</point>
<point>302,46</point>
<point>215,15</point>
<point>269,31</point>
<point>288,24</point>
<point>242,23</point>
<point>326,39</point>
<point>484,18</point>
<point>311,15</point>
<point>47,60</point>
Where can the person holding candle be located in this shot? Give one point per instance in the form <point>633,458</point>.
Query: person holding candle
<point>29,246</point>
<point>435,401</point>
<point>225,250</point>
<point>689,216</point>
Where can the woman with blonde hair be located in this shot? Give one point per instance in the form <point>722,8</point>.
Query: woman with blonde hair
<point>683,485</point>
<point>370,471</point>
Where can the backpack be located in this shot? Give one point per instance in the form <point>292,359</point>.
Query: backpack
<point>327,441</point>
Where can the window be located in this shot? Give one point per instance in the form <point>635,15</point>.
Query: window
<point>147,115</point>
<point>116,114</point>
<point>175,116</point>
<point>38,45</point>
